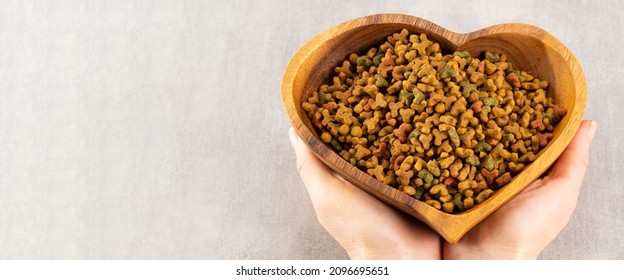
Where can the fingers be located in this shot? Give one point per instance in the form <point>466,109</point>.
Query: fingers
<point>357,220</point>
<point>316,176</point>
<point>573,162</point>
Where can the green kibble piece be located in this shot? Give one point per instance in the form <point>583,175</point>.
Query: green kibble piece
<point>508,137</point>
<point>353,161</point>
<point>489,101</point>
<point>467,88</point>
<point>548,115</point>
<point>447,72</point>
<point>335,145</point>
<point>425,175</point>
<point>377,59</point>
<point>457,201</point>
<point>484,112</point>
<point>371,138</point>
<point>454,137</point>
<point>364,61</point>
<point>509,68</point>
<point>419,192</point>
<point>406,74</point>
<point>492,57</point>
<point>488,163</point>
<point>406,96</point>
<point>380,81</point>
<point>482,146</point>
<point>473,160</point>
<point>324,97</point>
<point>418,96</point>
<point>415,133</point>
<point>464,54</point>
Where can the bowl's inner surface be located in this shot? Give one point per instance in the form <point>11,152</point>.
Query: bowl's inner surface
<point>526,53</point>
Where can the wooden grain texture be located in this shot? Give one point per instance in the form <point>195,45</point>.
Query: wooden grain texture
<point>529,48</point>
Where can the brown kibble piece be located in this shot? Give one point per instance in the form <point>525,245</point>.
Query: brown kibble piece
<point>450,181</point>
<point>403,177</point>
<point>544,138</point>
<point>559,112</point>
<point>425,140</point>
<point>465,185</point>
<point>468,203</point>
<point>381,151</point>
<point>463,152</point>
<point>398,148</point>
<point>448,207</point>
<point>515,168</point>
<point>390,120</point>
<point>377,172</point>
<point>503,180</point>
<point>434,203</point>
<point>455,167</point>
<point>343,96</point>
<point>397,162</point>
<point>476,107</point>
<point>439,190</point>
<point>401,132</point>
<point>316,120</point>
<point>528,157</point>
<point>409,190</point>
<point>538,123</point>
<point>356,131</point>
<point>380,102</point>
<point>406,114</point>
<point>481,185</point>
<point>439,136</point>
<point>394,108</point>
<point>514,129</point>
<point>361,152</point>
<point>433,167</point>
<point>446,162</point>
<point>485,194</point>
<point>463,173</point>
<point>513,80</point>
<point>489,175</point>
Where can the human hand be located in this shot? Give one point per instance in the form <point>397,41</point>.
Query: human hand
<point>523,227</point>
<point>364,226</point>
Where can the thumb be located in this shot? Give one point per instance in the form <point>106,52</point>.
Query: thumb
<point>575,158</point>
<point>319,180</point>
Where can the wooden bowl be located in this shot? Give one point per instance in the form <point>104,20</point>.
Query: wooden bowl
<point>529,48</point>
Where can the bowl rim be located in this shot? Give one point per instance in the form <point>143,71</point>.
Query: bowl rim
<point>436,219</point>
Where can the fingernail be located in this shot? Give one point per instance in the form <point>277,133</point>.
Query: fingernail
<point>592,130</point>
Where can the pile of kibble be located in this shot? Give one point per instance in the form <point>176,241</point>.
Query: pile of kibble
<point>447,129</point>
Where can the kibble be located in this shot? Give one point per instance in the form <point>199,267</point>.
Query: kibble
<point>446,129</point>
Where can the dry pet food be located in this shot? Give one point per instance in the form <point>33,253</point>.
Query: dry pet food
<point>446,129</point>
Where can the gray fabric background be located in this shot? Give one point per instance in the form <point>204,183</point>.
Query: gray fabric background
<point>155,129</point>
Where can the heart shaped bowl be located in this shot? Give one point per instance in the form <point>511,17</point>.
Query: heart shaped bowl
<point>527,47</point>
